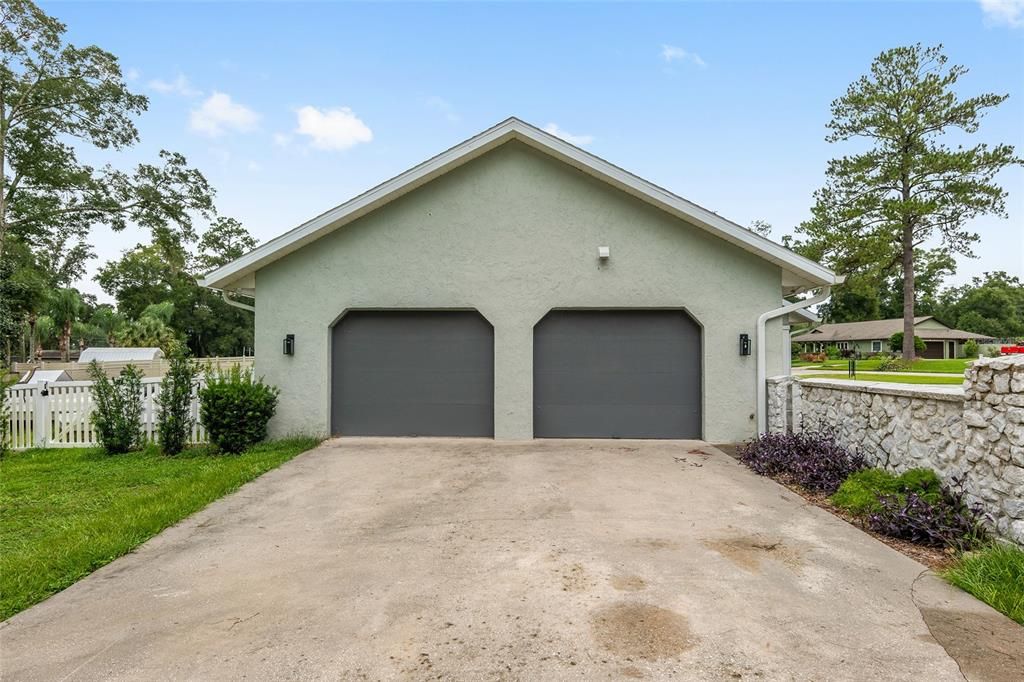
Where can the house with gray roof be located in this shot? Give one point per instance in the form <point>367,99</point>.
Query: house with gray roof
<point>872,336</point>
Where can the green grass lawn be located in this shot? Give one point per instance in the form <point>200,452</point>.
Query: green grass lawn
<point>995,576</point>
<point>892,378</point>
<point>66,512</point>
<point>950,366</point>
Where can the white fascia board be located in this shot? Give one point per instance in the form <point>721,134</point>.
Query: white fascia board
<point>805,269</point>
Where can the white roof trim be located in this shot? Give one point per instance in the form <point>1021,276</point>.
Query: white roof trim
<point>228,276</point>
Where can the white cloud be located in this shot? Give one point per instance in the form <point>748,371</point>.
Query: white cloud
<point>1003,12</point>
<point>282,140</point>
<point>132,74</point>
<point>219,114</point>
<point>578,140</point>
<point>671,53</point>
<point>335,129</point>
<point>443,107</point>
<point>179,86</point>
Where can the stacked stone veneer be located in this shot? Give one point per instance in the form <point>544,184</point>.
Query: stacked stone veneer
<point>974,434</point>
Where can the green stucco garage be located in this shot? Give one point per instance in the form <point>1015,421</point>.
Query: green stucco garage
<point>508,227</point>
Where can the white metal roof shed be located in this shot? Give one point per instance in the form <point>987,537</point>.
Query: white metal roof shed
<point>44,376</point>
<point>119,354</point>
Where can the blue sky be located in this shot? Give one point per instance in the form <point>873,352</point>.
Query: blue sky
<point>292,108</point>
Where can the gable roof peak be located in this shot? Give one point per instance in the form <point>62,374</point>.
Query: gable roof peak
<point>799,273</point>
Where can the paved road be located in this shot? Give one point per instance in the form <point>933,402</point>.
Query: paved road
<point>468,559</point>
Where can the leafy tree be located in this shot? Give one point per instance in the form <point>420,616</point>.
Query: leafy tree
<point>896,343</point>
<point>223,242</point>
<point>854,301</point>
<point>47,334</point>
<point>165,271</point>
<point>932,268</point>
<point>149,331</point>
<point>761,227</point>
<point>108,320</point>
<point>65,308</point>
<point>992,305</point>
<point>882,204</point>
<point>55,99</point>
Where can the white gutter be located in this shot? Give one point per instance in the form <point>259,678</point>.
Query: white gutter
<point>762,352</point>
<point>229,301</point>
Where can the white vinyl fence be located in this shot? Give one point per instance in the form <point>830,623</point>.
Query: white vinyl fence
<point>57,415</point>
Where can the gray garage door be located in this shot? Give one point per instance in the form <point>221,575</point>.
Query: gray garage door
<point>617,374</point>
<point>413,374</point>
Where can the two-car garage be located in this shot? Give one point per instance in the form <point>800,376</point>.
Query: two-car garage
<point>596,374</point>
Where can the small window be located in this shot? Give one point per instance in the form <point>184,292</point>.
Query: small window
<point>843,345</point>
<point>876,346</point>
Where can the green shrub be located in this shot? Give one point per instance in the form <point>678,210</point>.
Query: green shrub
<point>993,352</point>
<point>889,363</point>
<point>175,420</point>
<point>235,408</point>
<point>860,493</point>
<point>971,348</point>
<point>832,353</point>
<point>117,408</point>
<point>896,343</point>
<point>995,575</point>
<point>6,381</point>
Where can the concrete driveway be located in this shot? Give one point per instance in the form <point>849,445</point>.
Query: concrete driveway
<point>468,559</point>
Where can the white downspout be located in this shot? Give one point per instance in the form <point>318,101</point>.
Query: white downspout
<point>243,306</point>
<point>762,352</point>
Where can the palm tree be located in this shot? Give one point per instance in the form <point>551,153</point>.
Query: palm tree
<point>65,308</point>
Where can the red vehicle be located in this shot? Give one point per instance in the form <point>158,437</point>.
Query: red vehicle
<point>1011,350</point>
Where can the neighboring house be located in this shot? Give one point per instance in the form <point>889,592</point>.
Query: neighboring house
<point>516,286</point>
<point>43,376</point>
<point>873,336</point>
<point>120,354</point>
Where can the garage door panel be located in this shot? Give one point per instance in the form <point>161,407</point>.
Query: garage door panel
<point>626,357</point>
<point>625,421</point>
<point>628,388</point>
<point>617,373</point>
<point>409,373</point>
<point>426,420</point>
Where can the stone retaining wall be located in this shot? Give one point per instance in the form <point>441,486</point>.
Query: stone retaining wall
<point>974,434</point>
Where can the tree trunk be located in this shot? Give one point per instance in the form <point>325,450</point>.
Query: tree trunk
<point>31,337</point>
<point>65,342</point>
<point>908,291</point>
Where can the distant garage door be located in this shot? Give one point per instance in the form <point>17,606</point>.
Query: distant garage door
<point>412,374</point>
<point>617,374</point>
<point>933,350</point>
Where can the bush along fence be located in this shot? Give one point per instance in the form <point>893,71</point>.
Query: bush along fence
<point>973,435</point>
<point>58,415</point>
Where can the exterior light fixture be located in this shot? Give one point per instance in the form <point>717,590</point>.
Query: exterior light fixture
<point>744,344</point>
<point>289,344</point>
<point>604,253</point>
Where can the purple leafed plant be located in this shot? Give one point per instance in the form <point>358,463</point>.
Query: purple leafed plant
<point>813,460</point>
<point>947,522</point>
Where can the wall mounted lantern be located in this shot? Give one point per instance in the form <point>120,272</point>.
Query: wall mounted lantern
<point>744,344</point>
<point>289,344</point>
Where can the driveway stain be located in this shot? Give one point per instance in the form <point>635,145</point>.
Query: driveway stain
<point>747,551</point>
<point>576,579</point>
<point>628,583</point>
<point>634,630</point>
